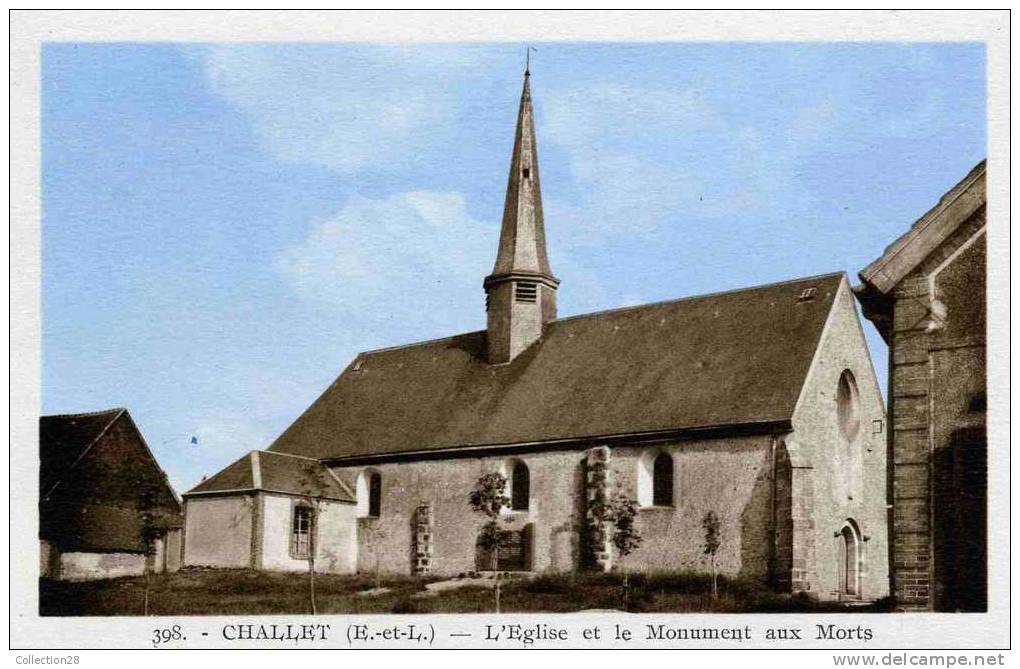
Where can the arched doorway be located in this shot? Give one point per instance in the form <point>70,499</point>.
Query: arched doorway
<point>849,560</point>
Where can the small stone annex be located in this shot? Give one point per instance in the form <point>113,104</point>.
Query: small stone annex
<point>759,405</point>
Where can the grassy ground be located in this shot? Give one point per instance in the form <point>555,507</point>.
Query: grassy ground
<point>206,592</point>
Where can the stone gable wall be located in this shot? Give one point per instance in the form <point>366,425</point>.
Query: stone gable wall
<point>836,481</point>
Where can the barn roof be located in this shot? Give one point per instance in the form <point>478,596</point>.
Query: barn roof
<point>64,438</point>
<point>276,472</point>
<point>93,467</point>
<point>726,359</point>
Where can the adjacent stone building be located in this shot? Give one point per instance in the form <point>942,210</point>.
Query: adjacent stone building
<point>759,405</point>
<point>105,505</point>
<point>259,512</point>
<point>926,295</point>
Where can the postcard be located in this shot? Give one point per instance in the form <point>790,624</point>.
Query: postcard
<point>504,330</point>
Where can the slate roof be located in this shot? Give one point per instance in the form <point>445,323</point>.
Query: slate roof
<point>726,359</point>
<point>276,472</point>
<point>65,438</point>
<point>522,246</point>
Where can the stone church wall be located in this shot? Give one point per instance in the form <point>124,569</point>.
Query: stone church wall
<point>555,508</point>
<point>727,476</point>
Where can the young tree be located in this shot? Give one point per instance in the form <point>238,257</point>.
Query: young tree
<point>489,499</point>
<point>314,483</point>
<point>711,525</point>
<point>151,527</point>
<point>375,536</point>
<point>625,535</point>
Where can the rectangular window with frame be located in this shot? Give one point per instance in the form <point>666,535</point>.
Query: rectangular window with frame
<point>301,532</point>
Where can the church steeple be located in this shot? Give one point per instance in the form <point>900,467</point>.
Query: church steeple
<point>521,291</point>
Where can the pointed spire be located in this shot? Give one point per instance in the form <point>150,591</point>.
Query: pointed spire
<point>521,291</point>
<point>522,237</point>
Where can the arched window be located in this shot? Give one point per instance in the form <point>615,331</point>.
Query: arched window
<point>520,486</point>
<point>662,480</point>
<point>655,479</point>
<point>847,409</point>
<point>369,493</point>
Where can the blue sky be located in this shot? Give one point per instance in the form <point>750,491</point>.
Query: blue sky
<point>225,226</point>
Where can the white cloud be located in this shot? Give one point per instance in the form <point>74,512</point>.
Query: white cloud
<point>622,194</point>
<point>640,158</point>
<point>813,123</point>
<point>644,157</point>
<point>412,262</point>
<point>346,110</point>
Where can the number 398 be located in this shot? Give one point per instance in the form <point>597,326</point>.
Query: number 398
<point>166,635</point>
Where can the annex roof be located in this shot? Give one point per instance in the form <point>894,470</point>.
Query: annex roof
<point>276,472</point>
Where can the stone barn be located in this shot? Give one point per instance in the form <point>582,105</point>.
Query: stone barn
<point>759,405</point>
<point>926,295</point>
<point>103,498</point>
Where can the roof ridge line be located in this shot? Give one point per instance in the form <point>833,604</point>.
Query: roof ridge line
<point>700,296</point>
<point>290,455</point>
<point>951,195</point>
<point>340,481</point>
<point>415,343</point>
<point>85,414</point>
<point>589,314</point>
<point>256,469</point>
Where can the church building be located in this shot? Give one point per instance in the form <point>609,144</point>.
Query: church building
<point>758,405</point>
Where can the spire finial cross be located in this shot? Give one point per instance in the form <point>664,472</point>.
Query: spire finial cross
<point>527,60</point>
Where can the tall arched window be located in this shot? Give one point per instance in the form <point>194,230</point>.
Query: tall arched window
<point>369,493</point>
<point>374,494</point>
<point>655,483</point>
<point>847,410</point>
<point>520,486</point>
<point>662,480</point>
